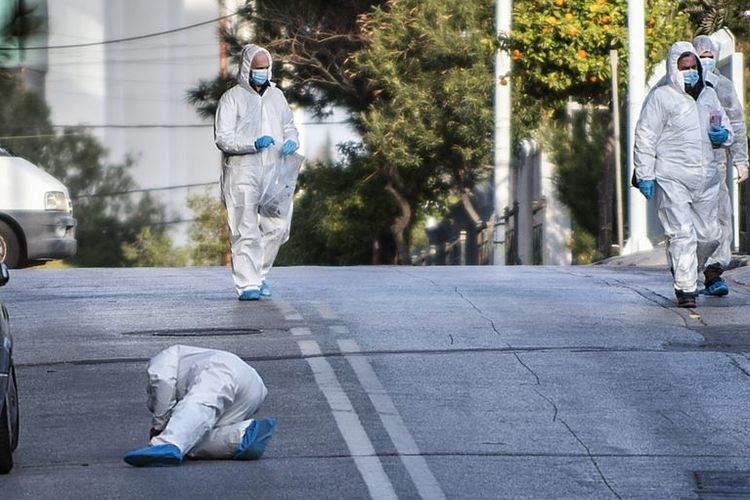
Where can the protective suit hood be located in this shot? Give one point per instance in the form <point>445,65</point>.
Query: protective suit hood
<point>673,73</point>
<point>704,43</point>
<point>246,61</point>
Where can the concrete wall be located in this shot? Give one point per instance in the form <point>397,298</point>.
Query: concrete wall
<point>533,184</point>
<point>132,94</point>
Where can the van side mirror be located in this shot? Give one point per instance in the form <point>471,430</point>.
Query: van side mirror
<point>4,274</point>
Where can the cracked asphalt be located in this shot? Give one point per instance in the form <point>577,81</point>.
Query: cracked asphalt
<point>394,382</point>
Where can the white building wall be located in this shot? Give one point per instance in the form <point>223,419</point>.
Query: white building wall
<point>133,94</point>
<point>557,220</point>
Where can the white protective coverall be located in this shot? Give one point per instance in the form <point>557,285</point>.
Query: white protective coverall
<point>737,152</point>
<point>242,116</point>
<point>672,147</point>
<point>202,399</point>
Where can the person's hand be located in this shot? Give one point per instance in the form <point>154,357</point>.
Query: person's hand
<point>718,135</point>
<point>289,147</point>
<point>646,188</point>
<point>741,172</point>
<point>152,433</point>
<point>263,142</point>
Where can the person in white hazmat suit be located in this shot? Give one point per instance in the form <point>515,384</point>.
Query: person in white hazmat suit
<point>254,126</point>
<point>679,126</point>
<point>719,261</point>
<point>202,401</point>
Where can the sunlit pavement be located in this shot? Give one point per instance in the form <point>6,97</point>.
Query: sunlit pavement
<point>462,382</point>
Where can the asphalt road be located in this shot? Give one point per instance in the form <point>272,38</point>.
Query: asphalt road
<point>455,382</point>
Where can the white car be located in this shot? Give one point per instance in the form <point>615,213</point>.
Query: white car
<point>36,214</point>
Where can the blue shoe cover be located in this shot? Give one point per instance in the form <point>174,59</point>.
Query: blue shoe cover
<point>718,288</point>
<point>155,456</point>
<point>251,294</point>
<point>256,439</point>
<point>265,290</point>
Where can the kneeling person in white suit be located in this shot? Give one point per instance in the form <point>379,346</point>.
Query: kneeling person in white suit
<point>201,401</point>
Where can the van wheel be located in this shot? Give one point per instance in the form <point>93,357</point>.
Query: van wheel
<point>10,248</point>
<point>6,440</point>
<point>15,418</point>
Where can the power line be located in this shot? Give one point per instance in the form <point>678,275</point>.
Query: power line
<point>144,190</point>
<point>128,39</point>
<point>142,126</point>
<point>85,228</point>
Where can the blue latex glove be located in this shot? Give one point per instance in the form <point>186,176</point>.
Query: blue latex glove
<point>289,147</point>
<point>646,188</point>
<point>263,142</point>
<point>718,135</point>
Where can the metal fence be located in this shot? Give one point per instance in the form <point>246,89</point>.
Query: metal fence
<point>458,253</point>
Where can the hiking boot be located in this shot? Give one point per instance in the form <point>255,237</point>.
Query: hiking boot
<point>685,299</point>
<point>711,273</point>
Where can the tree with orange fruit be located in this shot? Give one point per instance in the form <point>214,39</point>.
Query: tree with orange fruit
<point>560,51</point>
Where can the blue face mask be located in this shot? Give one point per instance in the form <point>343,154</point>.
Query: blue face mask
<point>259,76</point>
<point>690,77</point>
<point>708,64</point>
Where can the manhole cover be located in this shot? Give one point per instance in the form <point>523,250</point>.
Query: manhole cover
<point>197,332</point>
<point>733,483</point>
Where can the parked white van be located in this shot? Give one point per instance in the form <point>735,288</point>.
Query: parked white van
<point>36,214</point>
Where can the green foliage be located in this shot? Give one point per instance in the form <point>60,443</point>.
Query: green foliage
<point>583,247</point>
<point>314,40</point>
<point>576,149</point>
<point>708,16</point>
<point>17,23</point>
<point>153,250</point>
<point>340,212</point>
<point>209,232</point>
<point>560,51</point>
<point>310,41</point>
<point>107,218</point>
<point>428,64</point>
<point>206,94</point>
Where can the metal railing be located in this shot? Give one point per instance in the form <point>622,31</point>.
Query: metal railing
<point>456,252</point>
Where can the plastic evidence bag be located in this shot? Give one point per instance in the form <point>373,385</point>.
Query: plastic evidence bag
<point>278,187</point>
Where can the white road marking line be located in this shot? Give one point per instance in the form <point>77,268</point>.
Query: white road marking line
<point>301,331</point>
<point>325,311</point>
<point>350,426</point>
<point>426,483</point>
<point>287,310</point>
<point>339,329</point>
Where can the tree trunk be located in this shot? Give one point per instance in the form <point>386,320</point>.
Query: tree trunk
<point>398,229</point>
<point>471,210</point>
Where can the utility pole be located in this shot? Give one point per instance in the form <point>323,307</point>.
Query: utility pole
<point>613,61</point>
<point>503,14</point>
<point>224,71</point>
<point>637,209</point>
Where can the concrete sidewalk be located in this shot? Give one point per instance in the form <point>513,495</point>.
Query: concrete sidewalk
<point>738,273</point>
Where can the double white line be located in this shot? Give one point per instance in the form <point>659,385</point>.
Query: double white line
<point>350,426</point>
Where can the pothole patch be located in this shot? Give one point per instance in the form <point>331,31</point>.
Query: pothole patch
<point>723,338</point>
